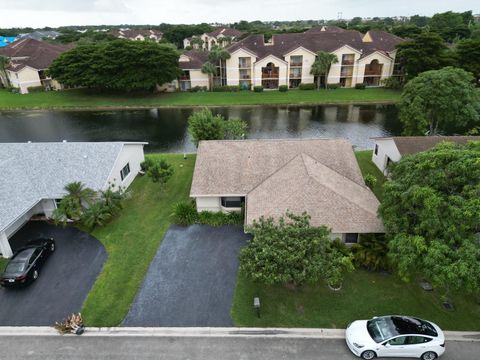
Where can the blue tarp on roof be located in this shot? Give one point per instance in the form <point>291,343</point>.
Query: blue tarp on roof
<point>5,40</point>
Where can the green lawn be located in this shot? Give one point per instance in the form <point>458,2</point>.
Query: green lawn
<point>363,296</point>
<point>132,240</point>
<point>89,99</point>
<point>367,166</point>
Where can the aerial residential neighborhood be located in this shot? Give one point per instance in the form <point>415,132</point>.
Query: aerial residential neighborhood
<point>201,180</point>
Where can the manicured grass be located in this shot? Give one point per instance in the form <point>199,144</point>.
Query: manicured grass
<point>132,240</point>
<point>3,263</point>
<point>367,166</point>
<point>362,296</point>
<point>90,99</point>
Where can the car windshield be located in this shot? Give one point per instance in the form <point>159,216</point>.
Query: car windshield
<point>15,267</point>
<point>386,327</point>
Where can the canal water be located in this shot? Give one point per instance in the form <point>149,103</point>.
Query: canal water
<point>165,129</point>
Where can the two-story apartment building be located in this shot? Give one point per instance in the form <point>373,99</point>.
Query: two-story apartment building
<point>28,59</point>
<point>219,37</point>
<point>286,59</point>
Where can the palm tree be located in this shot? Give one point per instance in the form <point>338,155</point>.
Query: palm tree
<point>226,40</point>
<point>78,191</point>
<point>322,66</point>
<point>218,55</point>
<point>96,215</point>
<point>112,200</point>
<point>209,69</point>
<point>196,41</point>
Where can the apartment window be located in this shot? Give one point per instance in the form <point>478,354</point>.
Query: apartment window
<point>376,149</point>
<point>244,63</point>
<point>296,61</point>
<point>346,71</point>
<point>125,171</point>
<point>185,82</point>
<point>351,238</point>
<point>232,202</point>
<point>295,73</point>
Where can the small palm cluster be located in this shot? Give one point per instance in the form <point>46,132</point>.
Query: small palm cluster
<point>82,204</point>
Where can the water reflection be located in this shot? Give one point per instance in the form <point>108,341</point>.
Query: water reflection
<point>166,129</point>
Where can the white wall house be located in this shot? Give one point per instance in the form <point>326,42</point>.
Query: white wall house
<point>270,177</point>
<point>33,176</point>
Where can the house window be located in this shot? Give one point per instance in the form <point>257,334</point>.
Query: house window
<point>376,149</point>
<point>125,171</point>
<point>296,61</point>
<point>232,202</point>
<point>351,238</point>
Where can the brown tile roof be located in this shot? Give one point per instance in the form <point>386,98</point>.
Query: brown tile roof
<point>413,144</point>
<point>319,176</point>
<point>197,59</point>
<point>327,28</point>
<point>34,53</point>
<point>315,41</point>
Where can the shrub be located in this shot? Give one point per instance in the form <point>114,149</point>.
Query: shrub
<point>371,252</point>
<point>226,88</point>
<point>160,171</point>
<point>333,86</point>
<point>185,213</point>
<point>35,89</point>
<point>235,129</point>
<point>258,88</point>
<point>303,86</point>
<point>392,83</point>
<point>146,164</point>
<point>360,86</point>
<point>203,125</point>
<point>283,88</point>
<point>370,181</point>
<point>198,88</point>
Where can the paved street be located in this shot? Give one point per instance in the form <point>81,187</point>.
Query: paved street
<point>192,348</point>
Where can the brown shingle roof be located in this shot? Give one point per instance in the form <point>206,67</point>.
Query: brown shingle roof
<point>34,53</point>
<point>413,144</point>
<point>225,32</point>
<point>321,177</point>
<point>197,59</point>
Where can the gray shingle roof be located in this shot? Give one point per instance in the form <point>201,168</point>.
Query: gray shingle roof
<point>35,171</point>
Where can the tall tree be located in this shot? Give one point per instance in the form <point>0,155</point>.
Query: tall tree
<point>119,64</point>
<point>468,53</point>
<point>431,212</point>
<point>440,102</point>
<point>450,25</point>
<point>321,66</point>
<point>209,69</point>
<point>426,51</point>
<point>218,55</point>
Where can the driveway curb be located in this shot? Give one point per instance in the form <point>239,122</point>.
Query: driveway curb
<point>468,336</point>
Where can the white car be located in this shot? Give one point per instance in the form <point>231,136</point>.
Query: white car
<point>395,336</point>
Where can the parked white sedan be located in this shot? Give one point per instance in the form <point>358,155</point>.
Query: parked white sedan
<point>395,336</point>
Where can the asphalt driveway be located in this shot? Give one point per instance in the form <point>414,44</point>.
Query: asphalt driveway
<point>191,280</point>
<point>64,281</point>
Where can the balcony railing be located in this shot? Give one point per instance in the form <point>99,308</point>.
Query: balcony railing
<point>348,62</point>
<point>296,64</point>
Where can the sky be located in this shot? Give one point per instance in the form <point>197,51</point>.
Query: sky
<point>40,13</point>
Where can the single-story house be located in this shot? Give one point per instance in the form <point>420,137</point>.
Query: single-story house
<point>391,149</point>
<point>269,177</point>
<point>33,176</point>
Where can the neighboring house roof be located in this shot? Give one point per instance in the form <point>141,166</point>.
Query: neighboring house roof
<point>196,59</point>
<point>33,53</point>
<point>325,28</point>
<point>5,40</point>
<point>39,35</point>
<point>407,145</point>
<point>225,32</point>
<point>35,171</point>
<point>133,33</point>
<point>321,177</point>
<point>315,41</point>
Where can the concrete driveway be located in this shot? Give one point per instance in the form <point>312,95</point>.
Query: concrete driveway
<point>191,280</point>
<point>64,281</point>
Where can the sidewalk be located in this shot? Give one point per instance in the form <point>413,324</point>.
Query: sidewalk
<point>211,332</point>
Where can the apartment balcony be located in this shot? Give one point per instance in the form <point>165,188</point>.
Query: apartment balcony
<point>348,62</point>
<point>296,64</point>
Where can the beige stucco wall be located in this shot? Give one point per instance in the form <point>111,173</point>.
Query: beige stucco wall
<point>387,68</point>
<point>197,78</point>
<point>257,70</point>
<point>308,60</point>
<point>232,66</point>
<point>131,154</point>
<point>25,78</point>
<point>334,74</point>
<point>208,204</point>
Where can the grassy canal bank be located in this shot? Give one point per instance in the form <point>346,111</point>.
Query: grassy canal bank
<point>88,99</point>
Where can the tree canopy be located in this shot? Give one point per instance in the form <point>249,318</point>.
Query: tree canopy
<point>451,26</point>
<point>431,212</point>
<point>290,251</point>
<point>119,64</point>
<point>322,65</point>
<point>440,102</point>
<point>468,53</point>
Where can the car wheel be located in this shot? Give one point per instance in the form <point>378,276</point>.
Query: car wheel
<point>52,247</point>
<point>368,355</point>
<point>35,275</point>
<point>429,355</point>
